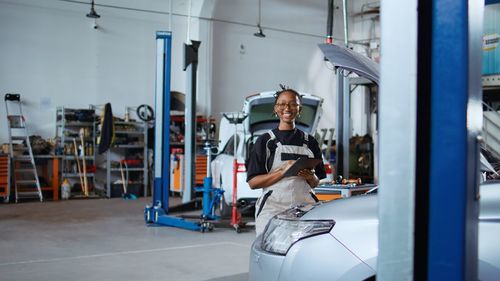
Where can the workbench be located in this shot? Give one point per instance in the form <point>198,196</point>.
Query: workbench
<point>330,191</point>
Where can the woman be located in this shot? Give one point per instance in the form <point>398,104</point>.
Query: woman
<point>273,153</point>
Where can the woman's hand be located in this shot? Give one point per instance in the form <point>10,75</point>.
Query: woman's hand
<point>306,174</point>
<point>309,176</point>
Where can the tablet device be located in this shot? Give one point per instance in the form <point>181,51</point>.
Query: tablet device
<point>302,163</point>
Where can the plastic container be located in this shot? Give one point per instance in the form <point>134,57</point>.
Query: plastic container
<point>65,190</point>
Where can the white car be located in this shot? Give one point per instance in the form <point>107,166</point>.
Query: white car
<point>338,240</point>
<point>258,108</point>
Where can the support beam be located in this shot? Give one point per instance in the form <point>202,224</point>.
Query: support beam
<point>397,133</point>
<point>162,119</point>
<point>453,181</point>
<point>190,66</point>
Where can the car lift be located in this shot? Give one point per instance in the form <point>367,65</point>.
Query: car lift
<point>158,213</point>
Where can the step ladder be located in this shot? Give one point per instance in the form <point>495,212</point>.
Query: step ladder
<point>25,177</point>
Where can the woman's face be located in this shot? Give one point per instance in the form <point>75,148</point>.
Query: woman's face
<point>287,107</point>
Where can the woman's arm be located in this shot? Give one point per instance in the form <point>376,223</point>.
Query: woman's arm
<point>265,180</point>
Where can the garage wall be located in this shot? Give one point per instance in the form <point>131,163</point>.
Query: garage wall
<point>244,64</point>
<point>52,56</point>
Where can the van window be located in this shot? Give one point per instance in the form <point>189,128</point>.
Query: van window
<point>229,148</point>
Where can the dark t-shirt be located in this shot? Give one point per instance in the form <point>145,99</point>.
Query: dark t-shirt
<point>257,159</point>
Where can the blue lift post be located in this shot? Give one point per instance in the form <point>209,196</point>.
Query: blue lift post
<point>157,214</point>
<point>455,104</point>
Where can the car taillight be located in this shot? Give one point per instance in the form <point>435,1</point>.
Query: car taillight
<point>240,168</point>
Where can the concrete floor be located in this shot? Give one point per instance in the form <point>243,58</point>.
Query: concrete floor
<point>107,239</point>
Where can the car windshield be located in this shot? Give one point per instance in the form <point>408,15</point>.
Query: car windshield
<point>229,148</point>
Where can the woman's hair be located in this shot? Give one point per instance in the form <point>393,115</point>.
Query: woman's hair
<point>284,89</point>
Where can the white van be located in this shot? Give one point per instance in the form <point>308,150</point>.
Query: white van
<point>259,120</point>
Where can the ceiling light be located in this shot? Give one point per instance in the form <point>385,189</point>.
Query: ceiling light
<point>92,14</point>
<point>260,33</point>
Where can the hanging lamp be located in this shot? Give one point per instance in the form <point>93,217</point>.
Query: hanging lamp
<point>93,14</point>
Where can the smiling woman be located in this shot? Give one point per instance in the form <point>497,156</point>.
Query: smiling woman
<point>274,153</point>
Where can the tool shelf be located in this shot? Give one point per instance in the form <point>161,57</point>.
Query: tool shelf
<point>76,125</point>
<point>131,146</point>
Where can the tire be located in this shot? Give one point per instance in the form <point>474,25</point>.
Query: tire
<point>224,208</point>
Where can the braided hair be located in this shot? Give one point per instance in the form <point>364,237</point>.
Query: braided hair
<point>284,89</point>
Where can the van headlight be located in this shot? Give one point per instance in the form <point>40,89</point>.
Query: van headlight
<point>284,230</point>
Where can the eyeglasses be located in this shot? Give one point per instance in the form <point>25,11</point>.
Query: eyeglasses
<point>284,105</point>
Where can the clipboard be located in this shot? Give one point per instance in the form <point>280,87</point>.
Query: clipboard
<point>301,163</point>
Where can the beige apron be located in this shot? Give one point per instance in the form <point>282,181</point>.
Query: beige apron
<point>287,192</point>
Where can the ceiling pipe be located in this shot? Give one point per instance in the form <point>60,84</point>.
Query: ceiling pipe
<point>329,24</point>
<point>344,9</point>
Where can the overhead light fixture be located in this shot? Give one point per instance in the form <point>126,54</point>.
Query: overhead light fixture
<point>260,33</point>
<point>92,14</point>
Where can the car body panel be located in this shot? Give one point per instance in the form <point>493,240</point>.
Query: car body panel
<point>356,230</point>
<point>489,231</point>
<point>263,265</point>
<point>347,59</point>
<point>336,256</point>
<point>351,219</point>
<point>267,266</point>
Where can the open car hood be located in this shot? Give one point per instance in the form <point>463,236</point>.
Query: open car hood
<point>347,59</point>
<point>260,119</point>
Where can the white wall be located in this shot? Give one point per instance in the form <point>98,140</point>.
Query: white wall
<point>50,54</point>
<point>244,64</point>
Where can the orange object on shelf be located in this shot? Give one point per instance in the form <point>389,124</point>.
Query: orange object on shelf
<point>4,175</point>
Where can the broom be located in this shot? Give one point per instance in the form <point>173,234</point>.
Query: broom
<point>125,194</point>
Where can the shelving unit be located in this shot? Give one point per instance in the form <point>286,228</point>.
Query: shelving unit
<point>130,148</point>
<point>70,123</point>
<point>205,129</point>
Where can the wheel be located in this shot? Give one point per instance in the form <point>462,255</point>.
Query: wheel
<point>237,228</point>
<point>203,227</point>
<point>224,208</point>
<point>145,112</point>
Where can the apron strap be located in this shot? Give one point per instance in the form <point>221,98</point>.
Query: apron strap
<point>264,199</point>
<point>306,140</point>
<point>268,151</point>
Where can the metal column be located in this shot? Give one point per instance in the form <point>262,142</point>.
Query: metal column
<point>162,119</point>
<point>455,105</point>
<point>343,125</point>
<point>190,66</point>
